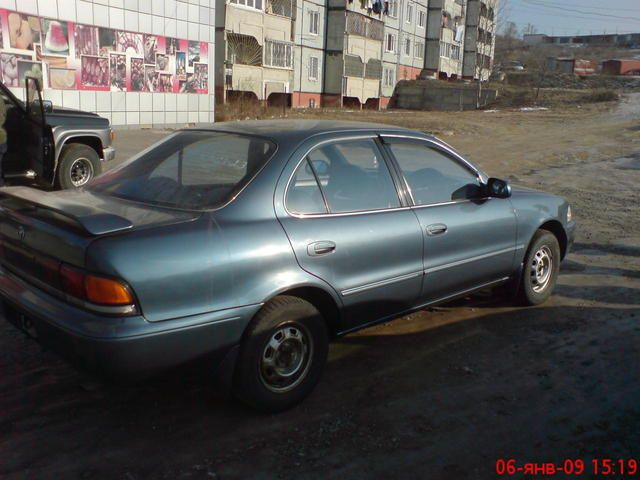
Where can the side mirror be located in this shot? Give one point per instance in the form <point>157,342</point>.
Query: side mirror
<point>498,188</point>
<point>48,106</point>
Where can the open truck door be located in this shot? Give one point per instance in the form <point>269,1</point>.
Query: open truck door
<point>30,152</point>
<point>40,156</point>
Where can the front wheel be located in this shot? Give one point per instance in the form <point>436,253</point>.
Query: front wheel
<point>541,267</point>
<point>282,356</point>
<point>78,165</point>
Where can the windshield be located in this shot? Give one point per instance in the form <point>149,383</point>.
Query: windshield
<point>191,170</point>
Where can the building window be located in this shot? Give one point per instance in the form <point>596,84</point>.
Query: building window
<point>407,47</point>
<point>445,49</point>
<point>419,50</point>
<point>284,8</point>
<point>393,8</point>
<point>390,43</point>
<point>389,77</point>
<point>278,54</point>
<point>422,18</point>
<point>314,67</point>
<point>314,23</point>
<point>257,4</point>
<point>455,52</point>
<point>409,18</point>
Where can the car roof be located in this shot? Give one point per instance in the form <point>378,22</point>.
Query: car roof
<point>295,130</point>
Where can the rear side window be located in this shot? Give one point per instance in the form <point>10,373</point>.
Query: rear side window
<point>433,176</point>
<point>190,170</point>
<point>304,195</point>
<point>353,177</point>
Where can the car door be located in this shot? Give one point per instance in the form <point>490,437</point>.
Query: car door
<point>30,152</point>
<point>469,239</point>
<point>348,226</point>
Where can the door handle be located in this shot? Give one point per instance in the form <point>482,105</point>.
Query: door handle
<point>324,247</point>
<point>436,229</point>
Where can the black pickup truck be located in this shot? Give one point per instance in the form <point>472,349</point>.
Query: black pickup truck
<point>52,147</point>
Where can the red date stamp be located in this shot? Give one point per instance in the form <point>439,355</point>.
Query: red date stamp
<point>605,467</point>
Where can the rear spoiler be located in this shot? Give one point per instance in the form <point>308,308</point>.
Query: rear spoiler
<point>93,220</point>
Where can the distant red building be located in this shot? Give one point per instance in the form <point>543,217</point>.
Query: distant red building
<point>621,67</point>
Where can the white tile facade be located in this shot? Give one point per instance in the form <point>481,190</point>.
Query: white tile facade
<point>190,20</point>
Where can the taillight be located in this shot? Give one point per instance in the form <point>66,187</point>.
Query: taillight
<point>95,289</point>
<point>72,280</point>
<point>106,291</point>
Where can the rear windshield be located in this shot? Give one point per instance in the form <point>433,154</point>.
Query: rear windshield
<point>190,170</point>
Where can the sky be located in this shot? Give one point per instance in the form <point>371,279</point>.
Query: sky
<point>573,17</point>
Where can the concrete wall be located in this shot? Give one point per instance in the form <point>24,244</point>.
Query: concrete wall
<point>427,95</point>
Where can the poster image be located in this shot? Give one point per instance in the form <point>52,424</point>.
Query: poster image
<point>181,65</point>
<point>150,48</point>
<point>201,77</point>
<point>9,66</point>
<point>150,78</point>
<point>118,71</point>
<point>107,41</point>
<point>56,37</point>
<point>194,53</point>
<point>86,39</point>
<point>24,30</point>
<point>187,86</point>
<point>27,68</point>
<point>165,83</point>
<point>62,78</point>
<point>136,74</point>
<point>130,43</point>
<point>94,71</point>
<point>171,46</point>
<point>164,63</point>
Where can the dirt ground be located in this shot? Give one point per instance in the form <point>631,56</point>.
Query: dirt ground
<point>440,394</point>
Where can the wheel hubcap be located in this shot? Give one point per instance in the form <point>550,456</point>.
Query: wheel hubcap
<point>286,357</point>
<point>541,269</point>
<point>81,171</point>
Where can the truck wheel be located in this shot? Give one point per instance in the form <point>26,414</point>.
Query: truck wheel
<point>282,356</point>
<point>541,267</point>
<point>78,164</point>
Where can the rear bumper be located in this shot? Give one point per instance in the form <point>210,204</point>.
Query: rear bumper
<point>108,154</point>
<point>124,346</point>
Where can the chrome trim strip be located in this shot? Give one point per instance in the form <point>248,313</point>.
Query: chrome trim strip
<point>468,260</point>
<point>381,283</point>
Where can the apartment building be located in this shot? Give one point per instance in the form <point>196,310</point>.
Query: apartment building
<point>480,39</point>
<point>445,39</point>
<point>310,20</point>
<point>255,50</point>
<point>405,28</point>
<point>353,53</point>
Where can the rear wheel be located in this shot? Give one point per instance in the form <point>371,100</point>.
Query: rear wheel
<point>78,165</point>
<point>541,267</point>
<point>282,356</point>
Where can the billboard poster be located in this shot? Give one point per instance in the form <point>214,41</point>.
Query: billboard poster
<point>70,56</point>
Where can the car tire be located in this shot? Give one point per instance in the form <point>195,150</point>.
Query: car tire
<point>540,270</point>
<point>282,356</point>
<point>78,165</point>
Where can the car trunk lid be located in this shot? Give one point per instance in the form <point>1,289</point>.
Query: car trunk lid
<point>61,225</point>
